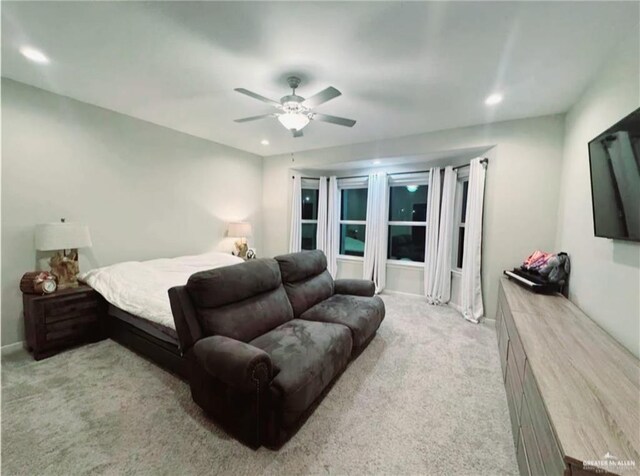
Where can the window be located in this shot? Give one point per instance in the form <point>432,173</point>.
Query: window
<point>407,222</point>
<point>461,218</point>
<point>353,216</point>
<point>309,218</point>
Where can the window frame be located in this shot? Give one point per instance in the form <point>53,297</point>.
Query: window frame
<point>463,176</point>
<point>351,184</point>
<point>405,180</point>
<point>308,184</point>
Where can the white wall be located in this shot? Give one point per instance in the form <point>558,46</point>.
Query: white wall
<point>605,278</point>
<point>144,190</point>
<point>522,187</point>
<point>402,278</point>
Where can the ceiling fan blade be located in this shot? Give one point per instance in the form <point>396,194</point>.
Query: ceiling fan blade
<point>253,118</point>
<point>341,121</point>
<point>322,97</point>
<point>297,133</point>
<point>257,96</point>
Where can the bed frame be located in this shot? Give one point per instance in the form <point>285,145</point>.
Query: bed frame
<point>162,352</point>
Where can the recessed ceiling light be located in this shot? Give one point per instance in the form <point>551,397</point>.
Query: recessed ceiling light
<point>376,162</point>
<point>493,99</point>
<point>264,142</point>
<point>34,55</point>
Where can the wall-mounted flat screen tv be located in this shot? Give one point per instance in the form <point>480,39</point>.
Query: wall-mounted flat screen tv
<point>614,158</point>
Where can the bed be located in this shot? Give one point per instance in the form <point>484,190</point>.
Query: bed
<point>138,313</point>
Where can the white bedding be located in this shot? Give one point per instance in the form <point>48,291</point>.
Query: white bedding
<point>140,287</point>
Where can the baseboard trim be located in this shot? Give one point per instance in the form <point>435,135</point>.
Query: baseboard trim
<point>400,293</point>
<point>11,348</point>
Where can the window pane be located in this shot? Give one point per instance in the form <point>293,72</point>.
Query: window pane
<point>460,246</point>
<point>408,203</point>
<point>406,243</point>
<point>354,204</point>
<point>309,204</point>
<point>352,240</point>
<point>465,191</point>
<point>309,236</point>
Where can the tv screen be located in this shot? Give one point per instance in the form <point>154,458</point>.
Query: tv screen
<point>614,158</point>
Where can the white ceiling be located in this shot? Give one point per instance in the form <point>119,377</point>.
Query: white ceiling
<point>403,68</point>
<point>437,158</point>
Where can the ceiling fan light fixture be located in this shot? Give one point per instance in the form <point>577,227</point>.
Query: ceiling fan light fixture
<point>293,121</point>
<point>295,112</point>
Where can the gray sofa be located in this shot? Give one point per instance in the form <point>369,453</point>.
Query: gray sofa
<point>265,339</point>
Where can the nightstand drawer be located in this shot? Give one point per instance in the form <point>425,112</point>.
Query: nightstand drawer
<point>76,331</point>
<point>76,310</point>
<point>69,306</point>
<point>70,323</point>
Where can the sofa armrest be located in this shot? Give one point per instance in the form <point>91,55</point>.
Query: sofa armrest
<point>235,363</point>
<point>355,287</point>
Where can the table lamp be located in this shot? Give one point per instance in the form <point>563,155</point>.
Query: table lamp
<point>240,230</point>
<point>62,237</point>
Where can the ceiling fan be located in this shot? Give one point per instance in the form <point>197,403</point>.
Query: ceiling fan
<point>295,112</point>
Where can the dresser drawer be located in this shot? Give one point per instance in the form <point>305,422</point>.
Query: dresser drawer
<point>514,337</point>
<point>513,401</point>
<point>503,344</point>
<point>517,350</point>
<point>521,457</point>
<point>514,380</point>
<point>530,442</point>
<point>547,443</point>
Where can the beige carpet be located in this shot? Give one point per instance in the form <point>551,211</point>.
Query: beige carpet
<point>425,397</point>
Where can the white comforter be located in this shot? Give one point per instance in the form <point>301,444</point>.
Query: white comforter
<point>140,287</point>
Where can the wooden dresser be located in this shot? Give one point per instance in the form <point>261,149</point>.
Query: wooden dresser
<point>573,391</point>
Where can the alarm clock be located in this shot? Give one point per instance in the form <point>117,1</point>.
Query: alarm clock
<point>45,283</point>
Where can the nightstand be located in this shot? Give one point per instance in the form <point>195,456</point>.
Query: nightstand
<point>54,322</point>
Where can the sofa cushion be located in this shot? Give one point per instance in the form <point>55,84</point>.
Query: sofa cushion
<point>229,284</point>
<point>307,356</point>
<point>247,319</point>
<point>309,292</point>
<point>301,265</point>
<point>241,301</point>
<point>362,315</point>
<point>305,279</point>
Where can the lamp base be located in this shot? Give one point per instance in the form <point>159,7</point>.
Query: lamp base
<point>65,268</point>
<point>241,249</point>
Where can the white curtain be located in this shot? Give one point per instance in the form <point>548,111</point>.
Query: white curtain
<point>375,246</point>
<point>295,236</point>
<point>321,229</point>
<point>431,238</point>
<point>472,306</point>
<point>441,290</point>
<point>333,227</point>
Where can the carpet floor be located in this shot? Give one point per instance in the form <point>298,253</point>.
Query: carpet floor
<point>426,397</point>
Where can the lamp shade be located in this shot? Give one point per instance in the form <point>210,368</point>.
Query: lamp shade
<point>62,236</point>
<point>240,229</point>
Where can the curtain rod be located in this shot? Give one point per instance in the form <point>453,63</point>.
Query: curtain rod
<point>484,162</point>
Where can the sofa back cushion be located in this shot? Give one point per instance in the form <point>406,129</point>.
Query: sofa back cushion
<point>306,279</point>
<point>241,301</point>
